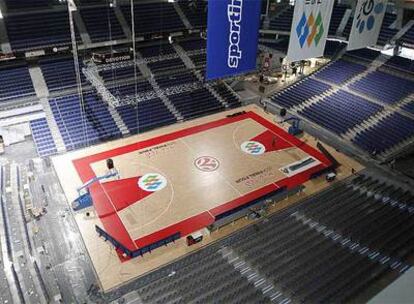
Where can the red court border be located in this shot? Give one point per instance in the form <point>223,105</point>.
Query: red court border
<point>111,220</point>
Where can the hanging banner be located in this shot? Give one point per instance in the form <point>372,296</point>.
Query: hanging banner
<point>367,23</point>
<point>232,37</point>
<point>310,27</point>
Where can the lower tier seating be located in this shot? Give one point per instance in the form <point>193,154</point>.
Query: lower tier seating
<point>83,126</point>
<point>196,103</point>
<point>42,137</point>
<point>340,71</point>
<point>15,83</point>
<point>227,95</point>
<point>148,115</point>
<point>299,92</point>
<point>389,132</point>
<point>340,111</point>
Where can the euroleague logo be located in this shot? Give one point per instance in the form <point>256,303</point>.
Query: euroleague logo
<point>366,15</point>
<point>253,148</point>
<point>207,163</point>
<point>152,182</point>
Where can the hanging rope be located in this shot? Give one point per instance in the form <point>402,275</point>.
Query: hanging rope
<point>134,52</point>
<point>71,6</point>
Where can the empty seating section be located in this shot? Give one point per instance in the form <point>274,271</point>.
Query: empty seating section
<point>199,60</point>
<point>119,72</point>
<point>27,4</point>
<point>300,92</point>
<point>409,107</point>
<point>15,83</point>
<point>384,87</point>
<point>203,278</point>
<point>169,80</point>
<point>152,18</point>
<point>157,50</point>
<point>366,55</point>
<point>42,137</point>
<point>340,111</point>
<point>336,18</point>
<point>408,37</point>
<point>308,265</point>
<point>232,100</point>
<point>128,90</point>
<point>387,33</point>
<point>102,24</point>
<point>332,48</point>
<point>281,45</point>
<point>196,103</point>
<point>59,74</point>
<point>37,30</point>
<point>282,22</point>
<point>167,65</point>
<point>191,45</point>
<point>387,133</point>
<point>400,64</point>
<point>340,71</point>
<point>149,114</point>
<point>80,127</point>
<point>195,11</point>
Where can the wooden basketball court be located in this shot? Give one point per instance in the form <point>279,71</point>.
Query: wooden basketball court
<point>179,179</point>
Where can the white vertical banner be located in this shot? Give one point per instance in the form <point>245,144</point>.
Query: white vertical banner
<point>310,26</point>
<point>366,26</point>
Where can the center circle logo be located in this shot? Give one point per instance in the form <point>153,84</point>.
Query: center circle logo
<point>253,148</point>
<point>152,182</point>
<point>207,163</point>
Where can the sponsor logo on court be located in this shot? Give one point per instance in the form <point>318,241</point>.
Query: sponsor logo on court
<point>253,148</point>
<point>207,163</point>
<point>152,182</point>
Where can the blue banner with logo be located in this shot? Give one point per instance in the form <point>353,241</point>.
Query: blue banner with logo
<point>232,37</point>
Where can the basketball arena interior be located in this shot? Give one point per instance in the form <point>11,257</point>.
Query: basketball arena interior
<point>132,171</point>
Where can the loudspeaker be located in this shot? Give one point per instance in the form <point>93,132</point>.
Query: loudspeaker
<point>261,89</point>
<point>261,78</point>
<point>283,112</point>
<point>110,164</point>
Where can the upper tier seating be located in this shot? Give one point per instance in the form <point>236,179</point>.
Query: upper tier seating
<point>80,128</point>
<point>386,33</point>
<point>384,87</point>
<point>125,90</point>
<point>167,65</point>
<point>408,37</point>
<point>169,80</point>
<point>340,71</point>
<point>281,45</point>
<point>331,48</point>
<point>153,18</point>
<point>59,74</point>
<point>15,83</point>
<point>196,103</point>
<point>340,111</point>
<point>27,4</point>
<point>337,15</point>
<point>156,50</point>
<point>38,30</point>
<point>195,11</point>
<point>102,24</point>
<point>366,55</point>
<point>299,92</point>
<point>283,21</point>
<point>119,72</point>
<point>149,114</point>
<point>191,45</point>
<point>386,134</point>
<point>42,137</point>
